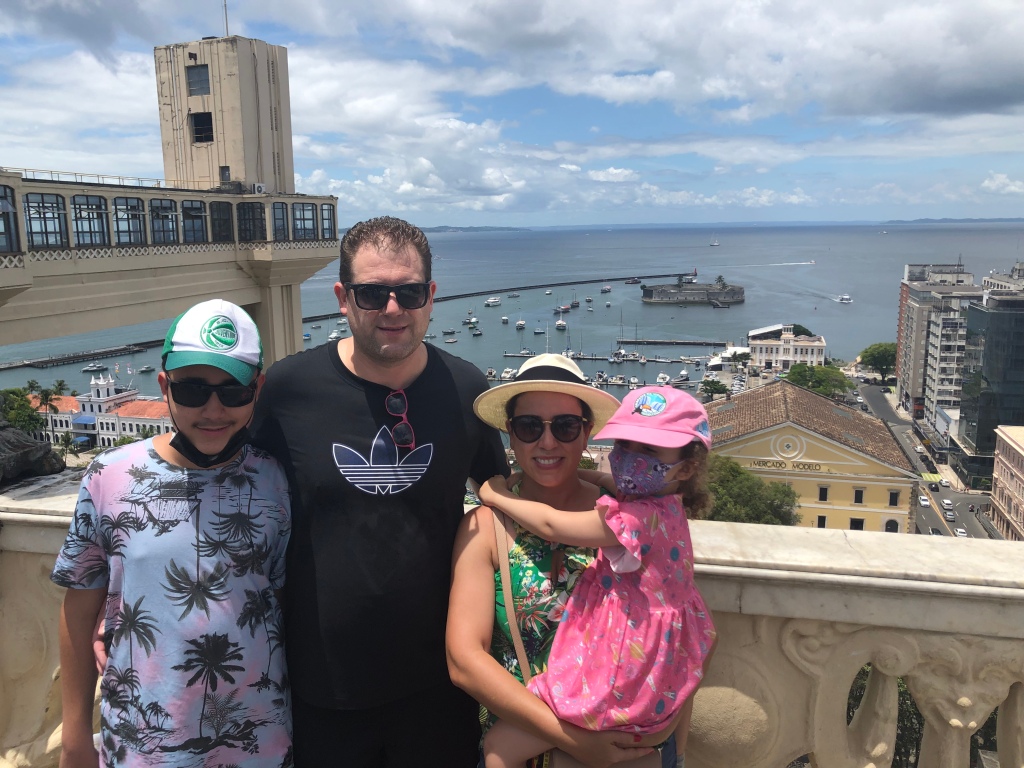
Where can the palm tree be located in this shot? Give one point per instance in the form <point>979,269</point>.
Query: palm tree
<point>31,386</point>
<point>208,658</point>
<point>196,593</point>
<point>133,622</point>
<point>720,282</point>
<point>48,406</point>
<point>60,387</point>
<point>68,445</point>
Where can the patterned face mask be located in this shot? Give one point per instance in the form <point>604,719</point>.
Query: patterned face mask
<point>637,474</point>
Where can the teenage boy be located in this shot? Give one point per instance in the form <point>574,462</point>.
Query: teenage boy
<point>180,539</point>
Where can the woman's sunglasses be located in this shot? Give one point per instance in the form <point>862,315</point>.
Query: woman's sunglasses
<point>372,296</point>
<point>565,427</point>
<point>192,395</point>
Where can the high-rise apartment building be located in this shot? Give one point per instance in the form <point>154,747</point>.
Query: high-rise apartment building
<point>1007,511</point>
<point>925,288</point>
<point>993,383</point>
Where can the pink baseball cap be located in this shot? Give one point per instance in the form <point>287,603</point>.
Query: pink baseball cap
<point>661,416</point>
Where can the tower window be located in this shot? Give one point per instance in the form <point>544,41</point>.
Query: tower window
<point>202,127</point>
<point>198,80</point>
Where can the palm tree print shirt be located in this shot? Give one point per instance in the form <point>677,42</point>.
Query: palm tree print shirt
<point>190,559</point>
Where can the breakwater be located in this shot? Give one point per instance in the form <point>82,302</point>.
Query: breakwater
<point>77,357</point>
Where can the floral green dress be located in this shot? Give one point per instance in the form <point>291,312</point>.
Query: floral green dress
<point>539,603</point>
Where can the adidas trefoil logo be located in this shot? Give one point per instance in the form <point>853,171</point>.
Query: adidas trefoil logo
<point>383,473</point>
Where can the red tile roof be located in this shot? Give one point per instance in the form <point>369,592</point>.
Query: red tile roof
<point>142,409</point>
<point>64,403</point>
<point>781,402</point>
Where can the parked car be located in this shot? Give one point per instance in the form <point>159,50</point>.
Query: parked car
<point>923,501</point>
<point>864,407</point>
<point>933,486</point>
<point>960,532</point>
<point>886,390</point>
<point>944,483</point>
<point>946,504</point>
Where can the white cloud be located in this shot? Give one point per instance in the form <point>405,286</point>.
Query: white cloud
<point>614,174</point>
<point>1001,184</point>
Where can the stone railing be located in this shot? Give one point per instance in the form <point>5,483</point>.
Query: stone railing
<point>799,612</point>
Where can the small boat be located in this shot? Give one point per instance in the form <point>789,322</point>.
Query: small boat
<point>314,327</point>
<point>589,299</point>
<point>844,298</point>
<point>590,309</point>
<point>469,311</point>
<point>334,335</point>
<point>618,380</point>
<point>478,332</point>
<point>508,374</point>
<point>575,302</point>
<point>561,309</point>
<point>513,295</point>
<point>633,281</point>
<point>504,320</point>
<point>714,242</point>
<point>538,331</point>
<point>607,303</point>
<point>430,336</point>
<point>520,325</point>
<point>642,360</point>
<point>494,301</point>
<point>561,325</point>
<point>450,341</point>
<point>307,336</point>
<point>468,320</point>
<point>145,369</point>
<point>343,321</point>
<point>547,292</point>
<point>662,378</point>
<point>606,289</point>
<point>94,368</point>
<point>490,374</point>
<point>634,380</point>
<point>448,331</point>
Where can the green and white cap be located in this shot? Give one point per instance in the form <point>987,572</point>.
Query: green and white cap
<point>216,333</point>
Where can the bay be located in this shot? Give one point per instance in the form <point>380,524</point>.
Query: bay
<point>791,273</point>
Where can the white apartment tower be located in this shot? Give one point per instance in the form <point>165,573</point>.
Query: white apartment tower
<point>225,115</point>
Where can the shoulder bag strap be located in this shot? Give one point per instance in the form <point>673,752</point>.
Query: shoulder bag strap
<point>501,539</point>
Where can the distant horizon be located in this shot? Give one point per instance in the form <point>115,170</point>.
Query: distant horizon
<point>721,224</point>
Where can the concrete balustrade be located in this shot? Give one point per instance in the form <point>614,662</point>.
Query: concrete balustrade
<point>799,612</point>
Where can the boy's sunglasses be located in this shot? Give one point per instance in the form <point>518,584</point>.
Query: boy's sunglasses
<point>565,427</point>
<point>191,395</point>
<point>372,296</point>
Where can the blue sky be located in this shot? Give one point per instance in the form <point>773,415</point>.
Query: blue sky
<point>549,112</point>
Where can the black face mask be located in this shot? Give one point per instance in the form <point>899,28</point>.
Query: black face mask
<point>186,448</point>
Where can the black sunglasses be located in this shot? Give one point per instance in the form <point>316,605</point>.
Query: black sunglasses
<point>372,296</point>
<point>397,405</point>
<point>565,427</point>
<point>192,395</point>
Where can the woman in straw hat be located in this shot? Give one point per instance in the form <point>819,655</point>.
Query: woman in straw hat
<point>549,413</point>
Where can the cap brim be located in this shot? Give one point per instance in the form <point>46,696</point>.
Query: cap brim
<point>490,405</point>
<point>242,372</point>
<point>662,438</point>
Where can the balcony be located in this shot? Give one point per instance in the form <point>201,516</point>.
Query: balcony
<point>799,612</point>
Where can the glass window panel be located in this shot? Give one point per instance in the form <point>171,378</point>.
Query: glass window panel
<point>280,221</point>
<point>193,221</point>
<point>163,221</point>
<point>91,221</point>
<point>45,223</point>
<point>304,221</point>
<point>252,222</point>
<point>221,225</point>
<point>129,221</point>
<point>8,221</point>
<point>198,80</point>
<point>330,230</point>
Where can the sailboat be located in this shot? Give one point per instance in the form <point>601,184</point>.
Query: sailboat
<point>714,242</point>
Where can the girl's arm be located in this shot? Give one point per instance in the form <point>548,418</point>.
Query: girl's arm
<point>596,477</point>
<point>578,529</point>
<point>472,668</point>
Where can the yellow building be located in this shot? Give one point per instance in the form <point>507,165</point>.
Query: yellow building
<point>845,466</point>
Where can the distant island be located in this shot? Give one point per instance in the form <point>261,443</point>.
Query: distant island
<point>475,229</point>
<point>1017,220</point>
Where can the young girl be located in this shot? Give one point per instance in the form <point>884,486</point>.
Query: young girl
<point>631,645</point>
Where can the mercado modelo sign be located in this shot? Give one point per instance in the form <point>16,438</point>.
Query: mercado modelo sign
<point>799,466</point>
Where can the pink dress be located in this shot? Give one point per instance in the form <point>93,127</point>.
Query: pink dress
<point>630,647</point>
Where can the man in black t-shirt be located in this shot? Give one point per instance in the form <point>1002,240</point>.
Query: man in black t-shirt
<point>377,434</point>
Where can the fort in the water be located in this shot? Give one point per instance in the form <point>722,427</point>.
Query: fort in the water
<point>686,290</point>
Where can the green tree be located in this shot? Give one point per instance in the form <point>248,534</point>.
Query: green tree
<point>800,330</point>
<point>47,404</point>
<point>741,359</point>
<point>743,497</point>
<point>713,387</point>
<point>60,387</point>
<point>720,282</point>
<point>67,445</point>
<point>880,357</point>
<point>124,440</point>
<point>19,411</point>
<point>823,379</point>
<point>32,386</point>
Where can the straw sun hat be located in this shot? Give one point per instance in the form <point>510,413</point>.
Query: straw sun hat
<point>545,373</point>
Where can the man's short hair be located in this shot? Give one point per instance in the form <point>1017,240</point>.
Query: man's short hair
<point>384,233</point>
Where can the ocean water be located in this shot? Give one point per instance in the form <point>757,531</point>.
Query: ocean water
<point>791,273</point>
